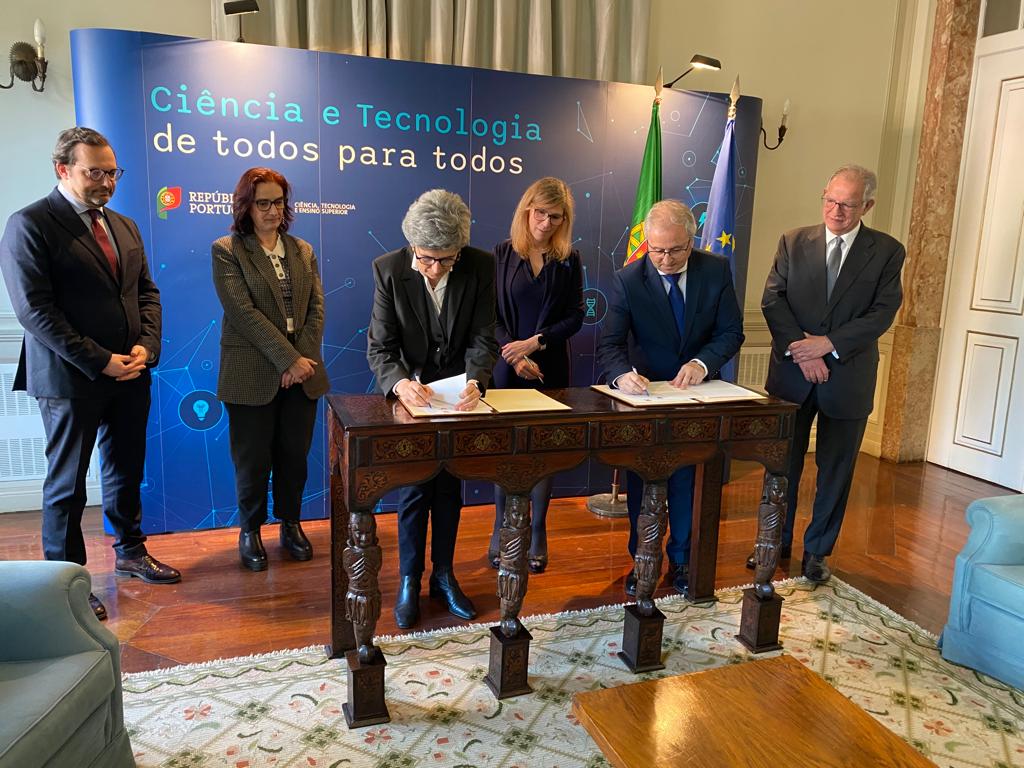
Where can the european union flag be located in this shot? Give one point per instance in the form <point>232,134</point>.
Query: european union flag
<point>719,235</point>
<point>720,222</point>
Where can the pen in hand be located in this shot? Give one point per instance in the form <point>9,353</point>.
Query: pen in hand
<point>647,392</point>
<point>539,375</point>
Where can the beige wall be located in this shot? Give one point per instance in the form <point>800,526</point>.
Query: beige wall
<point>833,61</point>
<point>31,120</point>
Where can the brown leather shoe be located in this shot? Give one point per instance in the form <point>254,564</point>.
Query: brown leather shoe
<point>97,607</point>
<point>147,568</point>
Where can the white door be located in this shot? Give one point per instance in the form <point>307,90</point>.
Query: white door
<point>978,416</point>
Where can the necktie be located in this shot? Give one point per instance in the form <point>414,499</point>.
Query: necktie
<point>676,301</point>
<point>835,258</point>
<point>104,242</point>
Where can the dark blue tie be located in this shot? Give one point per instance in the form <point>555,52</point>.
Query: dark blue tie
<point>676,300</point>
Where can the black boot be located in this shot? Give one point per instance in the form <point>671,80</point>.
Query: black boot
<point>444,587</point>
<point>407,603</point>
<point>250,549</point>
<point>294,541</point>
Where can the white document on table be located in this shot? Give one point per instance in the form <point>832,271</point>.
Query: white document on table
<point>662,393</point>
<point>447,393</point>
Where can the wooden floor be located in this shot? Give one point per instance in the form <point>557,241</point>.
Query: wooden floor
<point>904,526</point>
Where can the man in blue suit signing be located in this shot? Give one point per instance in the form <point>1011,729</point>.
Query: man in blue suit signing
<point>672,316</point>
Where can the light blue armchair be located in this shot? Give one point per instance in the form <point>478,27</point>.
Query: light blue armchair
<point>985,629</point>
<point>60,672</point>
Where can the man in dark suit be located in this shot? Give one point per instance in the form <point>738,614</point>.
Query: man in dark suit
<point>833,290</point>
<point>672,316</point>
<point>433,317</point>
<point>80,286</point>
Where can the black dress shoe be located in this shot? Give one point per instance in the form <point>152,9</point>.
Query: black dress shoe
<point>630,586</point>
<point>97,607</point>
<point>294,541</point>
<point>444,587</point>
<point>785,552</point>
<point>407,603</point>
<point>680,574</point>
<point>251,551</point>
<point>147,568</point>
<point>815,569</point>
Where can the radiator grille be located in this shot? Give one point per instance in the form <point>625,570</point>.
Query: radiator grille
<point>22,458</point>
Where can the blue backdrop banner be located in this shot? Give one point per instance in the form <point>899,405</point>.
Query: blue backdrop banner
<point>359,139</point>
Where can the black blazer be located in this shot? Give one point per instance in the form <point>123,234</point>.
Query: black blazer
<point>74,312</point>
<point>561,314</point>
<point>640,331</point>
<point>864,302</point>
<point>399,340</point>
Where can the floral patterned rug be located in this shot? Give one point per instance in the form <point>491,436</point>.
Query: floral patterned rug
<point>284,709</point>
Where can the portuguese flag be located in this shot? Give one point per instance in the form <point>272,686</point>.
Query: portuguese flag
<point>648,188</point>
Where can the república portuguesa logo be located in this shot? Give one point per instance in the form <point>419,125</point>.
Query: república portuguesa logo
<point>167,199</point>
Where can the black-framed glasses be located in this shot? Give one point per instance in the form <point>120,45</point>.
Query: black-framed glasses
<point>96,174</point>
<point>264,205</point>
<point>541,215</point>
<point>677,251</point>
<point>429,261</point>
<point>843,207</point>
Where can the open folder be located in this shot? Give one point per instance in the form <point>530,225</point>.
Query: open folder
<point>663,393</point>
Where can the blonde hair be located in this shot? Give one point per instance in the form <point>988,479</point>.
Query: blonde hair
<point>544,193</point>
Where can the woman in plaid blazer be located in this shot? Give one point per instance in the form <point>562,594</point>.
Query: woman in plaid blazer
<point>271,372</point>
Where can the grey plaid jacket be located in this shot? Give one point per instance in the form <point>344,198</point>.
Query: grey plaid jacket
<point>254,346</point>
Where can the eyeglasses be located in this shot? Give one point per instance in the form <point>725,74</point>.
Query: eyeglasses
<point>541,215</point>
<point>843,207</point>
<point>678,250</point>
<point>264,204</point>
<point>429,261</point>
<point>98,173</point>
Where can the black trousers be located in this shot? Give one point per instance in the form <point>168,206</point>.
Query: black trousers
<point>836,448</point>
<point>72,427</point>
<point>267,441</point>
<point>440,500</point>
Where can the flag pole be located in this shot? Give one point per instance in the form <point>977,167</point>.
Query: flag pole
<point>612,504</point>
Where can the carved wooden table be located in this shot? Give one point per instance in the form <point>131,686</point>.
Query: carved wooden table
<point>376,446</point>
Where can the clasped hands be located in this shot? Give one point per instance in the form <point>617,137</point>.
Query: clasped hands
<point>414,393</point>
<point>808,353</point>
<point>515,354</point>
<point>298,372</point>
<point>127,367</point>
<point>633,383</point>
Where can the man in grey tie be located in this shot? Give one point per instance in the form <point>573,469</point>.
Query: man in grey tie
<point>833,290</point>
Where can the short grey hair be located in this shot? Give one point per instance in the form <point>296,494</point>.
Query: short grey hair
<point>671,213</point>
<point>68,139</point>
<point>864,175</point>
<point>439,220</point>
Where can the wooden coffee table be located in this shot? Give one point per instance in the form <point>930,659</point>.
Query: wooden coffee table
<point>769,713</point>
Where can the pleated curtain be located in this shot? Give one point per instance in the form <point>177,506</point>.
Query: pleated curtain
<point>598,39</point>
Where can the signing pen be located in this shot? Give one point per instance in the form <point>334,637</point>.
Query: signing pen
<point>647,392</point>
<point>539,375</point>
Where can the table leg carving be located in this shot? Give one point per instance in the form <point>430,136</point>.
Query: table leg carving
<point>512,571</point>
<point>342,638</point>
<point>508,666</point>
<point>362,559</point>
<point>770,516</point>
<point>762,608</point>
<point>650,531</point>
<point>643,624</point>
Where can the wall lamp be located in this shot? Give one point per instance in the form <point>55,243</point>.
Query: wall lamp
<point>29,64</point>
<point>697,62</point>
<point>240,8</point>
<point>782,129</point>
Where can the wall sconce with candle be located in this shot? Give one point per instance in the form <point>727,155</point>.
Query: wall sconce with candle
<point>28,64</point>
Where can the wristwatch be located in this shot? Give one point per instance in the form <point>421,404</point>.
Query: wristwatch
<point>542,340</point>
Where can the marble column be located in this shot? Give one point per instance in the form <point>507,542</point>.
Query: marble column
<point>916,332</point>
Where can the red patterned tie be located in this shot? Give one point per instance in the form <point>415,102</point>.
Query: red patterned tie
<point>104,242</point>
